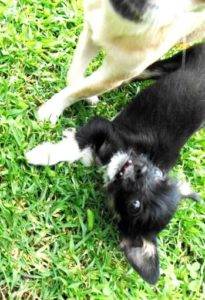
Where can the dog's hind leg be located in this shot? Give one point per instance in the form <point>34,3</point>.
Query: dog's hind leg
<point>86,50</point>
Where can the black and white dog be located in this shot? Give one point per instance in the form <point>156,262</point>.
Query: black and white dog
<point>139,147</point>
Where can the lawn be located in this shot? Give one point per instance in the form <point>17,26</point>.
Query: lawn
<point>49,248</point>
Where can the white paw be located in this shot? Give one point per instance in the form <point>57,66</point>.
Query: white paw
<point>42,155</point>
<point>51,110</point>
<point>87,157</point>
<point>93,100</point>
<point>69,133</point>
<point>50,154</point>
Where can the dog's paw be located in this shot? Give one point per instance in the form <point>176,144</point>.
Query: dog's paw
<point>51,110</point>
<point>93,100</point>
<point>52,153</point>
<point>69,133</point>
<point>186,191</point>
<point>42,155</point>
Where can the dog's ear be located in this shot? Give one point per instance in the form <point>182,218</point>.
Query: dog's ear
<point>143,256</point>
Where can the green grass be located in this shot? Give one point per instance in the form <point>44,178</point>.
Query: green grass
<point>48,247</point>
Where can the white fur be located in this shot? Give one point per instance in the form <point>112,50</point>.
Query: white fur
<point>116,163</point>
<point>65,150</point>
<point>93,100</point>
<point>87,156</point>
<point>52,109</point>
<point>185,189</point>
<point>148,248</point>
<point>130,47</point>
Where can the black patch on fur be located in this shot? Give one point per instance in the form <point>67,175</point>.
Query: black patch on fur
<point>130,9</point>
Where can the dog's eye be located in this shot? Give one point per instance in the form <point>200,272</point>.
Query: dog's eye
<point>136,204</point>
<point>134,207</point>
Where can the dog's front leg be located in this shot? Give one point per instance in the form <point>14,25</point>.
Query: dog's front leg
<point>106,78</point>
<point>68,150</point>
<point>74,145</point>
<point>86,50</point>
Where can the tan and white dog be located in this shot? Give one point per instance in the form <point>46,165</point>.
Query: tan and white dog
<point>134,34</point>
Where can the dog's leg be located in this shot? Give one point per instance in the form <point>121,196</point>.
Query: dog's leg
<point>48,154</point>
<point>107,77</point>
<point>86,50</point>
<point>75,146</point>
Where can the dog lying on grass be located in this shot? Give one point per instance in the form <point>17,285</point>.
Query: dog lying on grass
<point>139,147</point>
<point>134,34</point>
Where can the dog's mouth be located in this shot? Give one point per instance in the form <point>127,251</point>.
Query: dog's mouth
<point>124,169</point>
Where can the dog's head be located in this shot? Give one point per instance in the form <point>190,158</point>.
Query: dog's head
<point>145,201</point>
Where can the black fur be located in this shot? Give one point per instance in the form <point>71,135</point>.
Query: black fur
<point>152,130</point>
<point>166,66</point>
<point>130,9</point>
